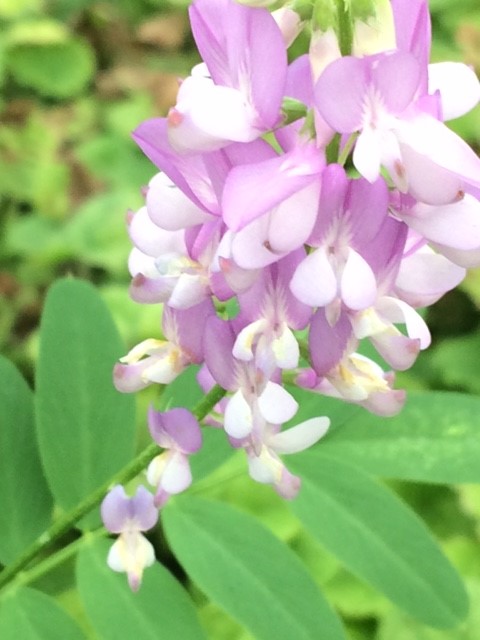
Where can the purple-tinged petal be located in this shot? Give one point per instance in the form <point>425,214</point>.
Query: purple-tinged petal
<point>169,208</point>
<point>178,428</point>
<point>251,247</point>
<point>177,475</point>
<point>114,509</point>
<point>238,420</point>
<point>400,312</point>
<point>358,285</point>
<point>466,259</point>
<point>424,277</point>
<point>340,93</point>
<point>335,184</point>
<point>276,404</point>
<point>189,326</point>
<point>149,238</point>
<point>326,343</point>
<point>387,403</point>
<point>367,205</point>
<point>207,117</point>
<point>131,553</point>
<point>367,153</point>
<point>243,347</point>
<point>128,378</point>
<point>299,81</point>
<point>192,174</point>
<point>121,513</point>
<point>288,230</point>
<point>254,189</point>
<point>399,351</point>
<point>219,339</point>
<point>396,76</point>
<point>300,437</point>
<point>455,225</point>
<point>143,510</point>
<point>314,282</point>
<point>189,291</point>
<point>429,137</point>
<point>413,31</point>
<point>428,182</point>
<point>458,86</point>
<point>243,48</point>
<point>286,350</point>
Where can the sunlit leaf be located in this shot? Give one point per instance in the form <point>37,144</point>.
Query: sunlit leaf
<point>378,538</point>
<point>160,609</point>
<point>60,70</point>
<point>32,615</point>
<point>436,438</point>
<point>86,428</point>
<point>26,503</point>
<point>247,571</point>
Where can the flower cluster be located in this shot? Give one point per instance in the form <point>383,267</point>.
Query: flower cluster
<point>299,209</point>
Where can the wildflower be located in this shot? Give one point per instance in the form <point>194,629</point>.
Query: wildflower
<point>179,433</point>
<point>131,552</point>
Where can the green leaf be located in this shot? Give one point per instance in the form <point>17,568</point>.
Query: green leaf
<point>161,609</point>
<point>32,615</point>
<point>436,438</point>
<point>396,626</point>
<point>26,501</point>
<point>60,70</point>
<point>86,428</point>
<point>378,538</point>
<point>246,570</point>
<point>95,233</point>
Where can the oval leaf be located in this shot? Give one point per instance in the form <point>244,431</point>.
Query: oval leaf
<point>86,428</point>
<point>436,438</point>
<point>34,615</point>
<point>26,501</point>
<point>161,608</point>
<point>59,70</point>
<point>378,538</point>
<point>247,571</point>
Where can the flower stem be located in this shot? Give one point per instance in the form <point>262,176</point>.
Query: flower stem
<point>67,521</point>
<point>345,27</point>
<point>51,562</point>
<point>345,152</point>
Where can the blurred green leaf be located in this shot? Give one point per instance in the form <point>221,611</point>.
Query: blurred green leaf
<point>86,428</point>
<point>161,609</point>
<point>57,70</point>
<point>11,9</point>
<point>245,569</point>
<point>378,538</point>
<point>26,501</point>
<point>435,438</point>
<point>96,234</point>
<point>455,362</point>
<point>32,615</point>
<point>396,626</point>
<point>110,157</point>
<point>37,31</point>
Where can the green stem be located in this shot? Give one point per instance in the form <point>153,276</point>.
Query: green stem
<point>345,27</point>
<point>130,471</point>
<point>51,562</point>
<point>343,156</point>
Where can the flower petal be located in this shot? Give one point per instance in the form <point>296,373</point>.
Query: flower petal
<point>276,404</point>
<point>301,436</point>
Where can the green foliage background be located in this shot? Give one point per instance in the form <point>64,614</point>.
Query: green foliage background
<point>76,76</point>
